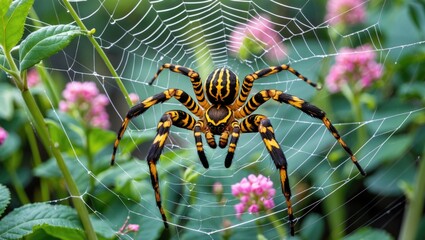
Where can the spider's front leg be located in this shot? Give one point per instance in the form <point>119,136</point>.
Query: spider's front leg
<point>197,131</point>
<point>249,79</point>
<point>232,145</point>
<point>194,79</point>
<point>179,119</point>
<point>140,108</point>
<point>260,123</point>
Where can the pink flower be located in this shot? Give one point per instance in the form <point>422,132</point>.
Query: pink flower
<point>239,209</point>
<point>133,227</point>
<point>134,98</point>
<point>218,188</point>
<point>345,11</point>
<point>33,79</point>
<point>356,66</point>
<point>254,208</point>
<point>84,98</point>
<point>126,227</point>
<point>3,135</point>
<point>255,194</point>
<point>255,37</point>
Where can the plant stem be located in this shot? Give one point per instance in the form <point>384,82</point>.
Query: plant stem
<point>43,132</point>
<point>414,205</point>
<point>51,147</point>
<point>99,51</point>
<point>17,183</point>
<point>354,98</point>
<point>49,83</point>
<point>278,226</point>
<point>37,161</point>
<point>337,216</point>
<point>358,115</point>
<point>89,157</point>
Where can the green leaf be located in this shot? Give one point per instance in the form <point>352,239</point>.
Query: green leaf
<point>4,198</point>
<point>413,13</point>
<point>50,169</point>
<point>369,233</point>
<point>3,60</point>
<point>387,178</point>
<point>58,135</point>
<point>12,23</point>
<point>4,6</point>
<point>45,42</point>
<point>99,139</point>
<point>62,233</point>
<point>102,228</point>
<point>21,221</point>
<point>9,95</point>
<point>313,227</point>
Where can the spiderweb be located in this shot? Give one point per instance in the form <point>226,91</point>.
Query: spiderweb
<point>139,36</point>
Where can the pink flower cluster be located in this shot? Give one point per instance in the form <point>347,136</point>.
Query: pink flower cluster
<point>3,135</point>
<point>256,36</point>
<point>346,11</point>
<point>255,194</point>
<point>84,98</point>
<point>356,66</point>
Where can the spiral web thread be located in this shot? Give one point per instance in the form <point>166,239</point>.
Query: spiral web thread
<point>141,36</point>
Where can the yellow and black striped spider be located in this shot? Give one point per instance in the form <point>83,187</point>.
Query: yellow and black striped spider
<point>225,112</point>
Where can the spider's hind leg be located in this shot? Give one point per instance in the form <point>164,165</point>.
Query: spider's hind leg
<point>260,123</point>
<point>179,119</point>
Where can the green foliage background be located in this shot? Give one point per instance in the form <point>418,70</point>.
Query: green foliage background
<point>34,199</point>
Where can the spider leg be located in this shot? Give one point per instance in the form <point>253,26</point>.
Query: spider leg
<point>194,79</point>
<point>210,139</point>
<point>177,118</point>
<point>279,96</point>
<point>260,123</point>
<point>250,78</point>
<point>224,138</point>
<point>140,108</point>
<point>233,142</point>
<point>197,131</point>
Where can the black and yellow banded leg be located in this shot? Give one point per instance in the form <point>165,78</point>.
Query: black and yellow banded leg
<point>250,78</point>
<point>194,79</point>
<point>179,119</point>
<point>197,131</point>
<point>262,124</point>
<point>232,145</point>
<point>140,108</point>
<point>264,95</point>
<point>224,138</point>
<point>210,139</point>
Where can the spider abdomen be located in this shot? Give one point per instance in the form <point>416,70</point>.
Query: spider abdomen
<point>222,86</point>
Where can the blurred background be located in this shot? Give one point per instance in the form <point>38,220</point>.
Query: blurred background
<point>367,55</point>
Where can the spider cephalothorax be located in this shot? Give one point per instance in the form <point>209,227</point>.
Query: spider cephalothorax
<point>218,119</point>
<point>226,113</point>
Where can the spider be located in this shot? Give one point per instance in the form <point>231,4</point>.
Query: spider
<point>226,112</point>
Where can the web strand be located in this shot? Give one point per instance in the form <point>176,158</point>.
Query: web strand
<point>144,35</point>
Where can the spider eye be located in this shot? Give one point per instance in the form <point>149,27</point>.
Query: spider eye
<point>221,127</point>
